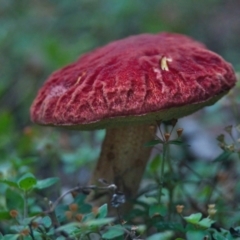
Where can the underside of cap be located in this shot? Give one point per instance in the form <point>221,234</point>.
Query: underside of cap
<point>139,79</point>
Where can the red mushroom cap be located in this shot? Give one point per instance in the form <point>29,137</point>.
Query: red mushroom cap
<point>141,78</point>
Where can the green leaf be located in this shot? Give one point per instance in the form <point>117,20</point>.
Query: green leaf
<point>9,183</point>
<point>60,212</point>
<point>6,122</point>
<point>223,156</point>
<point>157,209</point>
<point>155,163</point>
<point>206,223</point>
<point>222,234</point>
<point>14,200</point>
<point>60,238</point>
<point>153,143</point>
<point>193,218</point>
<point>70,228</point>
<point>197,235</point>
<point>150,200</point>
<point>177,142</point>
<point>88,217</point>
<point>45,183</point>
<point>18,228</point>
<point>4,215</point>
<point>113,232</point>
<point>46,221</point>
<point>102,211</point>
<point>28,220</point>
<point>167,235</point>
<point>99,222</point>
<point>141,229</point>
<point>27,182</point>
<point>80,200</point>
<point>164,225</point>
<point>10,237</point>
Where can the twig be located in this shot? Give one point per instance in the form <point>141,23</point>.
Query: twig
<point>25,210</point>
<point>31,231</point>
<point>78,188</point>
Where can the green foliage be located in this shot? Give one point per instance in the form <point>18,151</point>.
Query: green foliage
<point>198,222</point>
<point>114,232</point>
<point>40,225</point>
<point>23,212</point>
<point>165,236</point>
<point>24,215</point>
<point>223,156</point>
<point>36,38</point>
<point>159,141</point>
<point>157,209</point>
<point>45,183</point>
<point>102,211</point>
<point>27,182</point>
<point>14,199</point>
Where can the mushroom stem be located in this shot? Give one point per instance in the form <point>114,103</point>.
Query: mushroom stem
<point>123,160</point>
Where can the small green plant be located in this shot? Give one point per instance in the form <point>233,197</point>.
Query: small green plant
<point>183,200</point>
<point>25,218</point>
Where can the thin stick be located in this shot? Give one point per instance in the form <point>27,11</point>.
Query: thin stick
<point>25,213</point>
<point>164,158</point>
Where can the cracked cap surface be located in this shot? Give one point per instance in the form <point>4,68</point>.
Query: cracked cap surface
<point>141,79</point>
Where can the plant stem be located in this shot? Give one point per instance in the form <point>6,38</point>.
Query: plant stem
<point>164,158</point>
<point>170,205</point>
<point>122,161</point>
<point>171,187</point>
<point>31,232</point>
<point>25,210</point>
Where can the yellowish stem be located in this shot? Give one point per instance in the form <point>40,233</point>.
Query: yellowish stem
<point>123,160</point>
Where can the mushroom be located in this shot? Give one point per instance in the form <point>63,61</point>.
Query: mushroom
<point>125,87</point>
